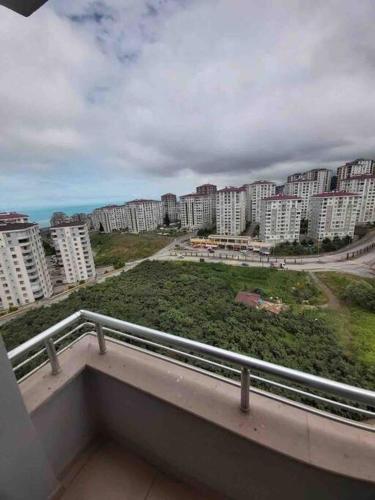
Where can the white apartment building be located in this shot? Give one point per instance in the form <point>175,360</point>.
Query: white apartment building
<point>24,276</point>
<point>73,249</point>
<point>353,168</point>
<point>231,211</point>
<point>365,186</point>
<point>110,218</point>
<point>255,193</point>
<point>169,206</point>
<point>321,175</point>
<point>280,219</point>
<point>333,214</point>
<point>197,211</point>
<point>304,189</point>
<point>206,189</point>
<point>143,215</point>
<point>12,217</point>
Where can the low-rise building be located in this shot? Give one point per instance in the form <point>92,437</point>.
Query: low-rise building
<point>73,250</point>
<point>365,186</point>
<point>231,211</point>
<point>280,219</point>
<point>169,207</point>
<point>333,215</point>
<point>143,215</point>
<point>24,275</point>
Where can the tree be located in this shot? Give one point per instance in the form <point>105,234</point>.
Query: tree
<point>166,220</point>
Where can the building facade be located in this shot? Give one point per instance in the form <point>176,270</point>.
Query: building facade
<point>110,218</point>
<point>206,189</point>
<point>365,186</point>
<point>304,189</point>
<point>169,206</point>
<point>13,218</point>
<point>255,193</point>
<point>333,215</point>
<point>321,175</point>
<point>280,219</point>
<point>73,250</point>
<point>354,168</point>
<point>143,215</point>
<point>231,211</point>
<point>24,275</point>
<point>197,211</point>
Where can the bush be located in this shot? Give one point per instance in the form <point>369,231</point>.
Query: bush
<point>362,294</point>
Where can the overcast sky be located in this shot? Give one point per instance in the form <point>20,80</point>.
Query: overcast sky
<point>117,99</point>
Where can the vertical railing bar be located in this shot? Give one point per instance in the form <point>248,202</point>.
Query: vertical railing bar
<point>101,339</point>
<point>245,389</point>
<point>52,356</point>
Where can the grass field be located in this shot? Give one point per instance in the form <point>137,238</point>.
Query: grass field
<point>354,325</point>
<point>117,248</point>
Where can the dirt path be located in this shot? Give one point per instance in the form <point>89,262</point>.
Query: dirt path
<point>332,301</point>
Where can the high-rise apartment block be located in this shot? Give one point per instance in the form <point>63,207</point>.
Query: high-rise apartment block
<point>333,215</point>
<point>364,185</point>
<point>143,215</point>
<point>304,189</point>
<point>280,219</point>
<point>73,249</point>
<point>231,211</point>
<point>255,193</point>
<point>354,168</point>
<point>24,276</point>
<point>206,189</point>
<point>197,211</point>
<point>12,217</point>
<point>321,175</point>
<point>169,207</point>
<point>110,218</point>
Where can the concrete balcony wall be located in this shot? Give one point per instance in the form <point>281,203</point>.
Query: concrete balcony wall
<point>190,425</point>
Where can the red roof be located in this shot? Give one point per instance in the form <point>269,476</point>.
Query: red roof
<point>11,215</point>
<point>231,189</point>
<point>334,193</point>
<point>282,197</point>
<point>248,298</point>
<point>262,182</point>
<point>359,177</point>
<point>143,201</point>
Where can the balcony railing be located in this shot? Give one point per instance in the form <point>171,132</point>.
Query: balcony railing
<point>249,374</point>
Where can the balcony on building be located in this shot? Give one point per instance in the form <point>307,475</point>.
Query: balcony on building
<point>99,408</point>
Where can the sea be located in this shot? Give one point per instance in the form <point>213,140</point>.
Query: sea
<point>42,215</point>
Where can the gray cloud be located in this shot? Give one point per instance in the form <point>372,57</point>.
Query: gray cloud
<point>162,88</point>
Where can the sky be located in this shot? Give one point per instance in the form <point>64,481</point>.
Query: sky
<point>121,99</point>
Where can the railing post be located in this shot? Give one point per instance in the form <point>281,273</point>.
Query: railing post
<point>245,389</point>
<point>52,356</point>
<point>101,339</point>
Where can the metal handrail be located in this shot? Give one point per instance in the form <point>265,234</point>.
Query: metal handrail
<point>245,363</point>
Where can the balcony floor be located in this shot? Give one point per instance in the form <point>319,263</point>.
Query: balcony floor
<point>112,473</point>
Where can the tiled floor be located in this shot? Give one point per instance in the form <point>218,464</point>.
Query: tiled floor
<point>112,473</point>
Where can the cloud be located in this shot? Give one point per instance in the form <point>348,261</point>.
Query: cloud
<point>169,90</point>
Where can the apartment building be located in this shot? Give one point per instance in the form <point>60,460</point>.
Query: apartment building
<point>354,168</point>
<point>255,193</point>
<point>24,276</point>
<point>110,218</point>
<point>365,186</point>
<point>12,218</point>
<point>280,219</point>
<point>231,211</point>
<point>169,206</point>
<point>59,218</point>
<point>197,211</point>
<point>321,175</point>
<point>206,189</point>
<point>143,215</point>
<point>73,249</point>
<point>304,189</point>
<point>333,215</point>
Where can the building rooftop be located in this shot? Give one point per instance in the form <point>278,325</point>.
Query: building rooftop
<point>261,182</point>
<point>282,196</point>
<point>231,189</point>
<point>67,224</point>
<point>332,194</point>
<point>11,215</point>
<point>360,177</point>
<point>141,201</point>
<point>16,226</point>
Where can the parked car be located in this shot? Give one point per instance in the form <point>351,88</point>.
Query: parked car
<point>244,264</point>
<point>201,260</point>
